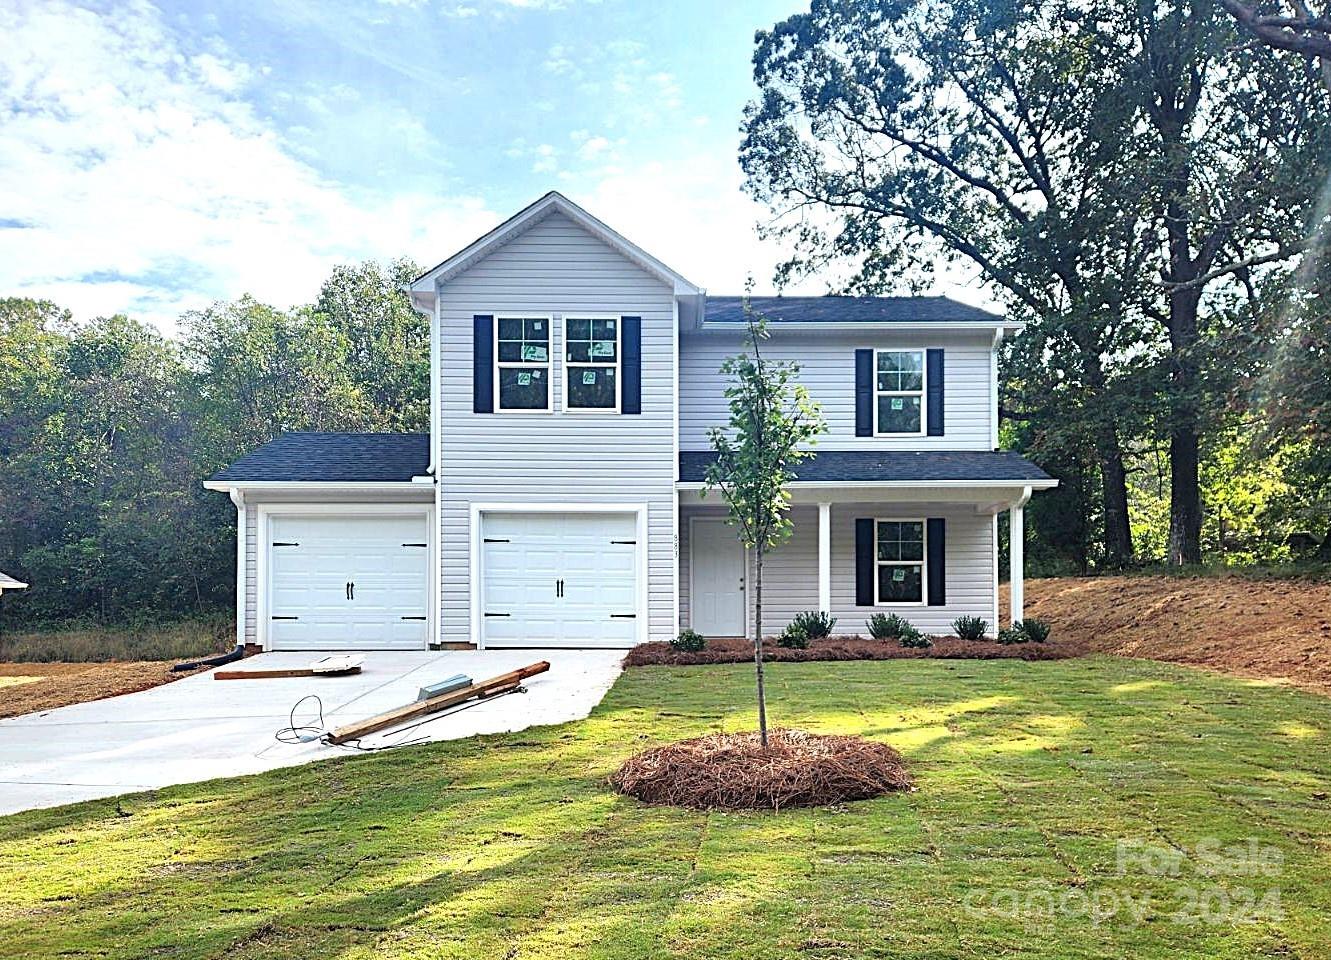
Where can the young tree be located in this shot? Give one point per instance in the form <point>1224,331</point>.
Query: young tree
<point>772,423</point>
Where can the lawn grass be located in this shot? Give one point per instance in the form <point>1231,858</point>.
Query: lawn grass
<point>1029,775</point>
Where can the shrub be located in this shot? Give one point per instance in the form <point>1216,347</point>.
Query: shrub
<point>1030,630</point>
<point>886,626</point>
<point>816,624</point>
<point>970,628</point>
<point>794,637</point>
<point>1036,630</point>
<point>689,640</point>
<point>911,637</point>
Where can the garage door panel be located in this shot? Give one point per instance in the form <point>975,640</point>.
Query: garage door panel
<point>312,559</point>
<point>523,558</point>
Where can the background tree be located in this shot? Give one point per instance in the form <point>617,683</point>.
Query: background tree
<point>1119,173</point>
<point>890,136</point>
<point>772,423</point>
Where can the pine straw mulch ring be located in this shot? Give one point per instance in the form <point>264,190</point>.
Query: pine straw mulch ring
<point>731,771</point>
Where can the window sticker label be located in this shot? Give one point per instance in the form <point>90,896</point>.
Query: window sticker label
<point>524,378</point>
<point>898,575</point>
<point>898,403</point>
<point>589,378</point>
<point>602,348</point>
<point>533,353</point>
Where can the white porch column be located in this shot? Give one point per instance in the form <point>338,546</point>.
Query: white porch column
<point>1017,557</point>
<point>825,557</point>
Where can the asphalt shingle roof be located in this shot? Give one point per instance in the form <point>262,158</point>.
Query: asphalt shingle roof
<point>854,466</point>
<point>334,457</point>
<point>848,310</point>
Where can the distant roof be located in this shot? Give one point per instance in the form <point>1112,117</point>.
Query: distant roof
<point>333,458</point>
<point>9,583</point>
<point>848,310</point>
<point>854,466</point>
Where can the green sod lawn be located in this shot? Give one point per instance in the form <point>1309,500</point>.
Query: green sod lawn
<point>1029,775</point>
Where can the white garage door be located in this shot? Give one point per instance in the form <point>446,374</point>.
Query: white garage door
<point>348,583</point>
<point>559,580</point>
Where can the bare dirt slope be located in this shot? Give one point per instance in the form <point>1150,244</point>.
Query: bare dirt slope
<point>29,687</point>
<point>1272,629</point>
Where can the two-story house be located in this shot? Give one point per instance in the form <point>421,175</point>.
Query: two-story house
<point>558,498</point>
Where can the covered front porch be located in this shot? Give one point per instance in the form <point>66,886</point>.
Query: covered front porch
<point>925,550</point>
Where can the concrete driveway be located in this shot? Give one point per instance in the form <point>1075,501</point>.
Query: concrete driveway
<point>199,728</point>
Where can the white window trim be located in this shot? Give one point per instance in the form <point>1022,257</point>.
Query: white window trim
<point>549,363</point>
<point>567,366</point>
<point>923,392</point>
<point>923,563</point>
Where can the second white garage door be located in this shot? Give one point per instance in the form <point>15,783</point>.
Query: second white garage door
<point>559,580</point>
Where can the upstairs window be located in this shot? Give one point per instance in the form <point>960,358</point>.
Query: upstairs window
<point>899,392</point>
<point>591,363</point>
<point>522,363</point>
<point>899,553</point>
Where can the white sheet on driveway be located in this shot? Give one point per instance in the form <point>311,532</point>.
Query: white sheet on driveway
<point>199,728</point>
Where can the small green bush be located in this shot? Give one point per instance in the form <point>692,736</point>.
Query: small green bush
<point>886,626</point>
<point>911,637</point>
<point>816,624</point>
<point>1036,630</point>
<point>794,637</point>
<point>970,628</point>
<point>689,640</point>
<point>1012,634</point>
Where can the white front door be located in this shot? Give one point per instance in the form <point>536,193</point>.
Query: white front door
<point>559,580</point>
<point>716,593</point>
<point>348,583</point>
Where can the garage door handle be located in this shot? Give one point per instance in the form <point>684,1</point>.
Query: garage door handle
<point>499,614</point>
<point>413,618</point>
<point>497,540</point>
<point>286,618</point>
<point>623,616</point>
<point>623,541</point>
<point>414,544</point>
<point>351,591</point>
<point>279,544</point>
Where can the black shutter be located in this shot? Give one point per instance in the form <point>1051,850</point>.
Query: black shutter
<point>936,542</point>
<point>934,366</point>
<point>864,393</point>
<point>864,562</point>
<point>630,365</point>
<point>482,364</point>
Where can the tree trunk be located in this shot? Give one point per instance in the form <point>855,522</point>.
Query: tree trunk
<point>1185,496</point>
<point>1324,551</point>
<point>1113,475</point>
<point>1114,498</point>
<point>758,645</point>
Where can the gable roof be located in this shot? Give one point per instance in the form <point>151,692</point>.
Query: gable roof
<point>332,458</point>
<point>529,216</point>
<point>858,466</point>
<point>836,309</point>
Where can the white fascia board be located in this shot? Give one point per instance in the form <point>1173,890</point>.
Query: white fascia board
<point>314,486</point>
<point>533,214</point>
<point>878,326</point>
<point>899,484</point>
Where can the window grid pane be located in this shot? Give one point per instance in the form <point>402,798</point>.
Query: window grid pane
<point>900,556</point>
<point>899,387</point>
<point>592,341</point>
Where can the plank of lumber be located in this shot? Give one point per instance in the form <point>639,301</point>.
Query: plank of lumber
<point>260,674</point>
<point>421,708</point>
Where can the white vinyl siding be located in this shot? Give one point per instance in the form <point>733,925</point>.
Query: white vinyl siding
<point>790,580</point>
<point>591,456</point>
<point>827,370</point>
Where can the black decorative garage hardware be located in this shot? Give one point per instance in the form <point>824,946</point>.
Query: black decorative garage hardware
<point>499,614</point>
<point>285,618</point>
<point>413,618</point>
<point>278,543</point>
<point>497,540</point>
<point>623,616</point>
<point>415,544</point>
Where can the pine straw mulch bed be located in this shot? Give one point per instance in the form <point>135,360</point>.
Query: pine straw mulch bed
<point>738,650</point>
<point>731,771</point>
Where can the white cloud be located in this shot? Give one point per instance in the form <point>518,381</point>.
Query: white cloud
<point>147,185</point>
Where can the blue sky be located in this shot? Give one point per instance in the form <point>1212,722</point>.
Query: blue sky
<point>155,157</point>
